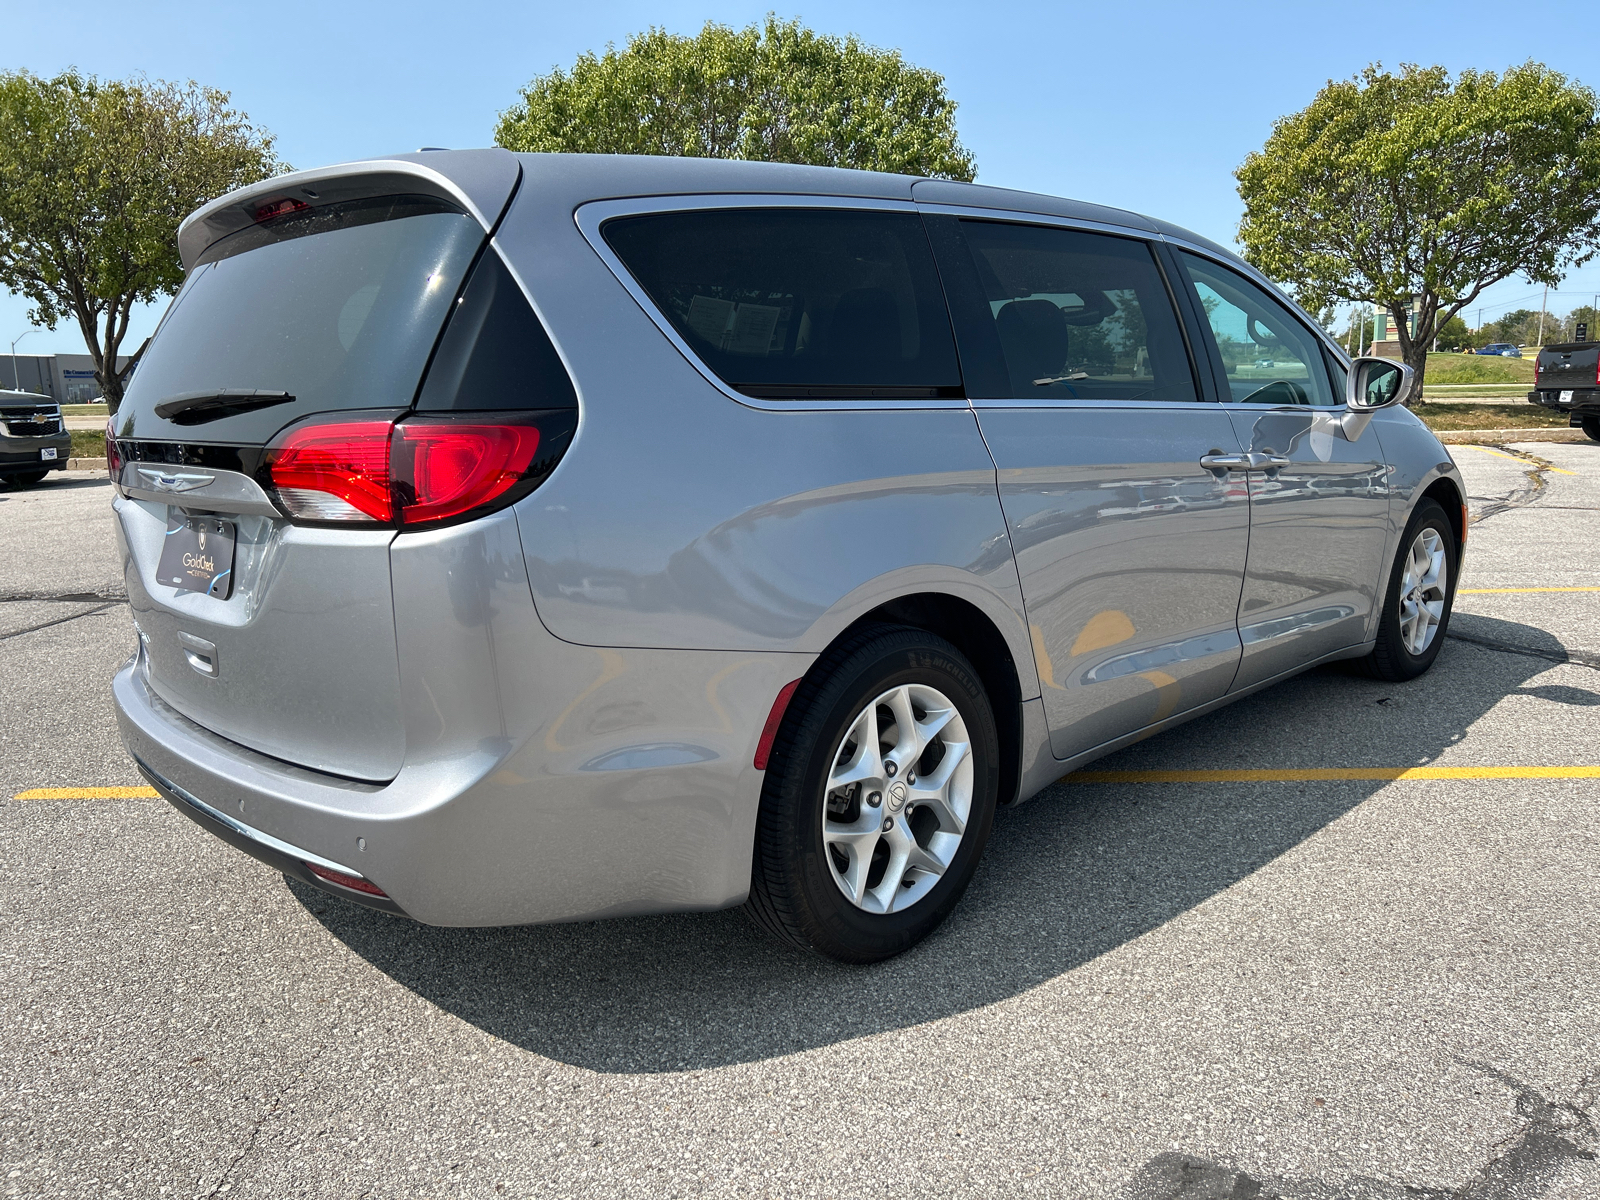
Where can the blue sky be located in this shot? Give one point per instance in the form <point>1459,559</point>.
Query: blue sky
<point>1148,106</point>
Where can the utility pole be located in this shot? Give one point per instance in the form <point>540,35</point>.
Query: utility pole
<point>1543,304</point>
<point>15,381</point>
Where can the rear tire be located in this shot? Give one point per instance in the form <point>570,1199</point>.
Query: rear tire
<point>856,858</point>
<point>1591,426</point>
<point>28,479</point>
<point>1421,593</point>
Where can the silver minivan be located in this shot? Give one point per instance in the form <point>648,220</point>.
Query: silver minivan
<point>525,538</point>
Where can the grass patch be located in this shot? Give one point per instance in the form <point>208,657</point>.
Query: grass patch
<point>1437,414</point>
<point>1478,368</point>
<point>88,443</point>
<point>84,410</point>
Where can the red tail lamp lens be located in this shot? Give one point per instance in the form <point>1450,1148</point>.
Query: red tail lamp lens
<point>354,882</point>
<point>113,455</point>
<point>445,468</point>
<point>337,472</point>
<point>279,207</point>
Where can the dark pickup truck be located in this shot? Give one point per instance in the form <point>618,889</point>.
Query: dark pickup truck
<point>1567,379</point>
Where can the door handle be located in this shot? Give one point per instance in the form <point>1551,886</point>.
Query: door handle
<point>1248,462</point>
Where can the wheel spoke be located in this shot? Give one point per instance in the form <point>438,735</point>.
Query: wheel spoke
<point>866,764</point>
<point>911,868</point>
<point>909,742</point>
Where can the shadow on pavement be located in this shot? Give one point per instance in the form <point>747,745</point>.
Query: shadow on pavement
<point>1066,878</point>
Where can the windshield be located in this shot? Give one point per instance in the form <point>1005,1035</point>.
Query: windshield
<point>338,307</point>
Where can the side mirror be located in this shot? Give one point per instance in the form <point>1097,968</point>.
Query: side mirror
<point>1373,383</point>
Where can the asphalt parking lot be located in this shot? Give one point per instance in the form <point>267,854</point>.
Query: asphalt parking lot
<point>1255,983</point>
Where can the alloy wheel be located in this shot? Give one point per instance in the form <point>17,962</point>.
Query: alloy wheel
<point>898,798</point>
<point>1422,591</point>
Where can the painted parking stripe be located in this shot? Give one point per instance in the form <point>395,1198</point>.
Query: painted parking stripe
<point>1318,774</point>
<point>1517,458</point>
<point>1500,591</point>
<point>89,793</point>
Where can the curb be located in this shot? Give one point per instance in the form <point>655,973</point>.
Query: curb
<point>86,464</point>
<point>1459,437</point>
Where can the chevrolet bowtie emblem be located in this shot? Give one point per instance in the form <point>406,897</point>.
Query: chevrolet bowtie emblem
<point>173,481</point>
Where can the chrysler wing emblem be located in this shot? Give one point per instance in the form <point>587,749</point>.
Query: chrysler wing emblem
<point>173,481</point>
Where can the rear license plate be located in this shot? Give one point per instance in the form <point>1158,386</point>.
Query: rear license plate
<point>197,555</point>
<point>48,454</point>
<point>1566,396</point>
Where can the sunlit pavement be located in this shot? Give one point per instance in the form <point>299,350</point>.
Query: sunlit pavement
<point>1290,986</point>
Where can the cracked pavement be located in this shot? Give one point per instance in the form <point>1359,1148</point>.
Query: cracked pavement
<point>1312,991</point>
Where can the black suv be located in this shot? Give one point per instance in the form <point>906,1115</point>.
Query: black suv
<point>1567,379</point>
<point>33,438</point>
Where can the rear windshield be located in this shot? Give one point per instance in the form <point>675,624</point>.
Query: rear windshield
<point>337,306</point>
<point>794,303</point>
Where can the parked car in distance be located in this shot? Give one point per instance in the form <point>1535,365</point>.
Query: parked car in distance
<point>523,538</point>
<point>1502,350</point>
<point>1567,379</point>
<point>33,438</point>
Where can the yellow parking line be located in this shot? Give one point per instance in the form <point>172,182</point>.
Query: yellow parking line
<point>1311,774</point>
<point>1513,457</point>
<point>89,793</point>
<point>1489,591</point>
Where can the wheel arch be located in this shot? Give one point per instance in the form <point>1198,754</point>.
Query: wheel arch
<point>968,628</point>
<point>1448,494</point>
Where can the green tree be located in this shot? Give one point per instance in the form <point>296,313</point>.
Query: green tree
<point>95,178</point>
<point>776,92</point>
<point>1587,315</point>
<point>1390,187</point>
<point>1453,334</point>
<point>1508,328</point>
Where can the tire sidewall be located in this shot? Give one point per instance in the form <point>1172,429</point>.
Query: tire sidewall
<point>1428,514</point>
<point>839,927</point>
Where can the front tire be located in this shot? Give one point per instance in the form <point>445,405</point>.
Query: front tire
<point>879,796</point>
<point>1417,605</point>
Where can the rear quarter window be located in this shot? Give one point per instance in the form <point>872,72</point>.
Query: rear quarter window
<point>791,303</point>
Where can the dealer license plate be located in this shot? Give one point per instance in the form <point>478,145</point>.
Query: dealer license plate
<point>197,555</point>
<point>1566,396</point>
<point>48,454</point>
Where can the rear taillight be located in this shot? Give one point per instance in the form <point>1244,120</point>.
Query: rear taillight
<point>113,455</point>
<point>443,469</point>
<point>421,471</point>
<point>337,472</point>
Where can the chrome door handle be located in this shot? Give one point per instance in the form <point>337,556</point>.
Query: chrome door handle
<point>1249,462</point>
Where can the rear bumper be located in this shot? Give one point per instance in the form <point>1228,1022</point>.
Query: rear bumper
<point>1584,400</point>
<point>543,781</point>
<point>277,854</point>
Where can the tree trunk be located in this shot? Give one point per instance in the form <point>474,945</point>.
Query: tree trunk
<point>1417,359</point>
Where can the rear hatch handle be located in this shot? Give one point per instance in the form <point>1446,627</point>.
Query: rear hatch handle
<point>195,407</point>
<point>202,655</point>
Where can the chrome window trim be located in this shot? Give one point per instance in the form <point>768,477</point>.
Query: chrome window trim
<point>1013,217</point>
<point>592,215</point>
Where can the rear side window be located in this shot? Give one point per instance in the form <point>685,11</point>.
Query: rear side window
<point>789,303</point>
<point>337,306</point>
<point>495,354</point>
<point>1078,315</point>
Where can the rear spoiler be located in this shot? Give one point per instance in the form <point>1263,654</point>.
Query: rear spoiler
<point>480,181</point>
